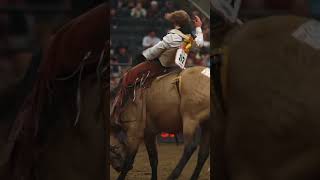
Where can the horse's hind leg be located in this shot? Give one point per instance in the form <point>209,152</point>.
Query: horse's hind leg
<point>190,146</point>
<point>150,142</point>
<point>204,151</point>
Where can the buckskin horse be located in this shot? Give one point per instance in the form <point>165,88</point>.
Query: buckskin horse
<point>173,102</point>
<point>59,132</point>
<point>269,124</point>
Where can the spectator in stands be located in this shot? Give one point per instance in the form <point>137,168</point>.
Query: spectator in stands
<point>131,4</point>
<point>153,11</point>
<point>123,56</point>
<point>168,7</point>
<point>150,40</point>
<point>189,62</point>
<point>111,49</point>
<point>197,60</point>
<point>113,12</point>
<point>138,11</point>
<point>121,8</point>
<point>120,4</point>
<point>115,68</point>
<point>205,56</point>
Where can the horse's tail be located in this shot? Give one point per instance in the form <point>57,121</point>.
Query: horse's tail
<point>14,95</point>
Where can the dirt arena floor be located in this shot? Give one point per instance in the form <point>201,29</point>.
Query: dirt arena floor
<point>169,155</point>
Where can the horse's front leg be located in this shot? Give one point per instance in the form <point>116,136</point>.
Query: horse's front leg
<point>150,142</point>
<point>122,175</point>
<point>127,165</point>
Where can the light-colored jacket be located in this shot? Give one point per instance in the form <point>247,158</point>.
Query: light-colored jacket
<point>166,49</point>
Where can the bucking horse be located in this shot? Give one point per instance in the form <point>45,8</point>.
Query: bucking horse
<point>152,99</point>
<point>56,128</point>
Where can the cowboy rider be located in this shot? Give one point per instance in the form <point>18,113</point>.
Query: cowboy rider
<point>166,49</point>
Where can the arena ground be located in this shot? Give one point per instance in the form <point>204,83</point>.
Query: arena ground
<point>169,155</point>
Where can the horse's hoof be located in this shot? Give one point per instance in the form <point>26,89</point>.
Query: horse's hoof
<point>171,178</point>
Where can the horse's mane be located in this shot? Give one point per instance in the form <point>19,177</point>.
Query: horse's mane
<point>114,91</point>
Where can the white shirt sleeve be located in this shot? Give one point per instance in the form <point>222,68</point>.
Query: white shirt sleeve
<point>168,41</point>
<point>199,37</point>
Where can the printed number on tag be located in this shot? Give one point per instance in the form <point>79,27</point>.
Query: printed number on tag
<point>181,58</point>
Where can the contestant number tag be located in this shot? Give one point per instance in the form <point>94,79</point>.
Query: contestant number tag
<point>181,58</point>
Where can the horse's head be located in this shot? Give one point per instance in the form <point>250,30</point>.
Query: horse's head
<point>125,133</point>
<point>118,147</point>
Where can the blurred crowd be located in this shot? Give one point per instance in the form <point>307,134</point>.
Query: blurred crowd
<point>142,8</point>
<point>150,11</point>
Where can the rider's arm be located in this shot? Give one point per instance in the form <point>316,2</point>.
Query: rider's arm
<point>199,37</point>
<point>170,40</point>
